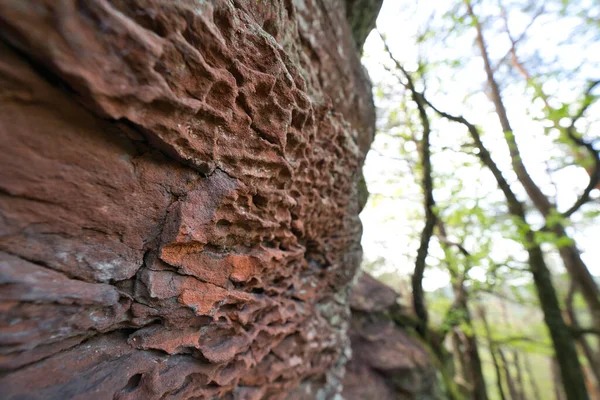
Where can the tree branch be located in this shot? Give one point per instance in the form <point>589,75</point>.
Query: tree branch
<point>520,338</point>
<point>429,202</point>
<point>570,131</point>
<point>512,51</point>
<point>514,204</point>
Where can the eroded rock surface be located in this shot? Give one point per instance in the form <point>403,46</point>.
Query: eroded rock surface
<point>178,197</point>
<point>388,362</point>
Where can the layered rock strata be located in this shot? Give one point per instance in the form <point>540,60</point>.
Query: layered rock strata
<point>178,197</point>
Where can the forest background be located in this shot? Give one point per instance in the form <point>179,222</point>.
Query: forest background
<point>484,179</point>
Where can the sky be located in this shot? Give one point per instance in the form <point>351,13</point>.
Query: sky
<point>392,223</point>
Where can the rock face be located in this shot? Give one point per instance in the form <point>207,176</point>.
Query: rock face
<point>387,362</point>
<point>179,197</point>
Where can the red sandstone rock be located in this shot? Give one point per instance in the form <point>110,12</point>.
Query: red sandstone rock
<point>179,197</point>
<point>387,363</point>
<point>370,295</point>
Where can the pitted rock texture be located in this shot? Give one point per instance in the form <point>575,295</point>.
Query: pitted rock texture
<point>179,197</point>
<point>388,362</point>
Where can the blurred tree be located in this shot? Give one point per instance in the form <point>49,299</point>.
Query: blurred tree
<point>525,217</point>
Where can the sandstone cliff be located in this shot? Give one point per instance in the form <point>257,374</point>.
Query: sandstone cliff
<point>389,361</point>
<point>179,196</point>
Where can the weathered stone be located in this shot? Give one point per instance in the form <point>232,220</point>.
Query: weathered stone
<point>362,15</point>
<point>388,363</point>
<point>370,295</point>
<point>179,197</point>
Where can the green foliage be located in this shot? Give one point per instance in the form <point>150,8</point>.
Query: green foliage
<point>552,238</point>
<point>485,248</point>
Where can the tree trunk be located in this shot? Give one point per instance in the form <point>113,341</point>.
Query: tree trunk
<point>459,356</point>
<point>512,389</point>
<point>584,345</point>
<point>559,332</point>
<point>565,352</point>
<point>476,369</point>
<point>462,375</point>
<point>559,392</point>
<point>424,147</point>
<point>568,253</point>
<point>492,348</point>
<point>516,386</point>
<point>430,216</point>
<point>579,272</point>
<point>535,390</point>
<point>520,381</point>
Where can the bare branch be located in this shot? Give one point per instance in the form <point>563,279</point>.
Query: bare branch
<point>514,204</point>
<point>509,299</point>
<point>443,238</point>
<point>520,338</point>
<point>570,130</point>
<point>515,41</point>
<point>595,173</point>
<point>584,331</point>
